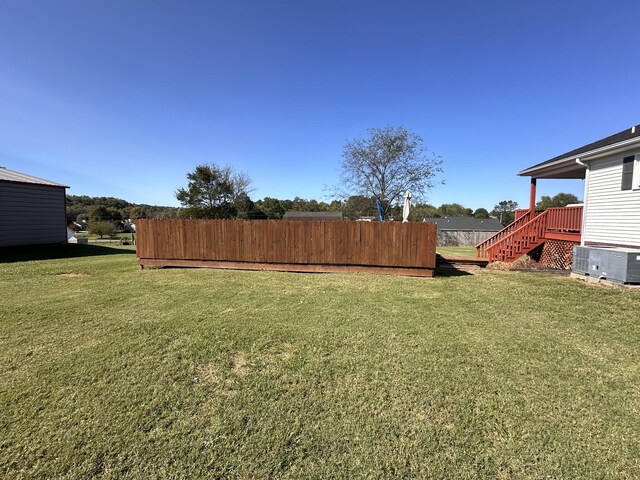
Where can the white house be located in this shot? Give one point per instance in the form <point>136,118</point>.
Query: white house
<point>611,170</point>
<point>609,217</point>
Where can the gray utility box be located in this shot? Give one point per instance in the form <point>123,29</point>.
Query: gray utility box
<point>620,265</point>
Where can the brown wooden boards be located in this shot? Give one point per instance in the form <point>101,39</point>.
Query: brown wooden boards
<point>288,245</point>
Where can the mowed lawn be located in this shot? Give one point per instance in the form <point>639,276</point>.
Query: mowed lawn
<point>457,251</point>
<point>111,372</point>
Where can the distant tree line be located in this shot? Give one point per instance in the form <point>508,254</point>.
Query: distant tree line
<point>107,215</point>
<point>108,212</point>
<point>83,207</point>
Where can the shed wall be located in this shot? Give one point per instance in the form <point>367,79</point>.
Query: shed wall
<point>461,238</point>
<point>612,215</point>
<point>31,214</point>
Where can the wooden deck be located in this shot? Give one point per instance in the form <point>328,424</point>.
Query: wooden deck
<point>531,230</point>
<point>457,260</point>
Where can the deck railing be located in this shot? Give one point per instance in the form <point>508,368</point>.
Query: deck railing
<point>519,212</point>
<point>564,219</point>
<point>519,241</point>
<point>481,248</point>
<point>561,223</point>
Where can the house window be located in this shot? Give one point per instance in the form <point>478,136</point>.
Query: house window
<point>630,173</point>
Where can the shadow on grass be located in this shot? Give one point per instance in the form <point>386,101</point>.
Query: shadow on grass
<point>450,272</point>
<point>51,252</point>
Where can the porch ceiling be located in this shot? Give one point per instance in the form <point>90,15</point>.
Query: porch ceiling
<point>563,169</point>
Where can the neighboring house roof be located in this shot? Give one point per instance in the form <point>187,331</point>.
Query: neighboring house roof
<point>466,223</point>
<point>565,165</point>
<point>7,175</point>
<point>313,216</point>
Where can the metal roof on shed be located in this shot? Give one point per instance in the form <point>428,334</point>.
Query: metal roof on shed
<point>7,175</point>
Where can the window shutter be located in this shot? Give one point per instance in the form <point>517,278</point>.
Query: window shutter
<point>627,172</point>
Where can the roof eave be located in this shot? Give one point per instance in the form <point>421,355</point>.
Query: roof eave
<point>566,168</point>
<point>570,166</point>
<point>39,184</point>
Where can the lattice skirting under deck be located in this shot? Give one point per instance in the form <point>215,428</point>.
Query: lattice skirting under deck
<point>557,254</point>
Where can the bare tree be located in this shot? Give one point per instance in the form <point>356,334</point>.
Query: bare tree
<point>385,164</point>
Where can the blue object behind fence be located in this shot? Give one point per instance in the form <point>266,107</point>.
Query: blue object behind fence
<point>380,214</point>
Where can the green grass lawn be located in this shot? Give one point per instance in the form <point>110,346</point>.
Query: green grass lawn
<point>96,238</point>
<point>111,372</point>
<point>457,251</point>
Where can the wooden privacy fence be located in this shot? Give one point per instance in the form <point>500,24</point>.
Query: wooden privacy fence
<point>300,246</point>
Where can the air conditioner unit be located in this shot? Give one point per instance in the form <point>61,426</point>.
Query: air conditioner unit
<point>581,260</point>
<point>621,265</point>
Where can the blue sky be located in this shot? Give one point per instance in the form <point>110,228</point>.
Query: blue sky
<point>123,98</point>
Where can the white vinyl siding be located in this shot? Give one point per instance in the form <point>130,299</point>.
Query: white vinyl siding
<point>612,215</point>
<point>31,214</point>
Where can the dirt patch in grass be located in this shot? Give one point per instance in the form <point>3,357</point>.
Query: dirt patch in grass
<point>208,373</point>
<point>239,364</point>
<point>213,373</point>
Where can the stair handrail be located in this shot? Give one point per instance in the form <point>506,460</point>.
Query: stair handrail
<point>483,246</point>
<point>505,241</point>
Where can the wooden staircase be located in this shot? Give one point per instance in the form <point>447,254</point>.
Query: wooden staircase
<point>530,231</point>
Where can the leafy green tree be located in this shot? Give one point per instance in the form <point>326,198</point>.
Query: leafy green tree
<point>272,208</point>
<point>559,200</point>
<point>286,205</point>
<point>299,205</point>
<point>481,213</point>
<point>246,208</point>
<point>303,205</point>
<point>212,192</point>
<point>358,206</point>
<point>115,214</point>
<point>163,213</point>
<point>385,164</point>
<point>139,211</point>
<point>336,206</point>
<point>422,211</point>
<point>454,210</point>
<point>504,211</point>
<point>98,213</point>
<point>102,228</point>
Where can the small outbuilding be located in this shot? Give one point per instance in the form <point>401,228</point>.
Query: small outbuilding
<point>464,231</point>
<point>32,210</point>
